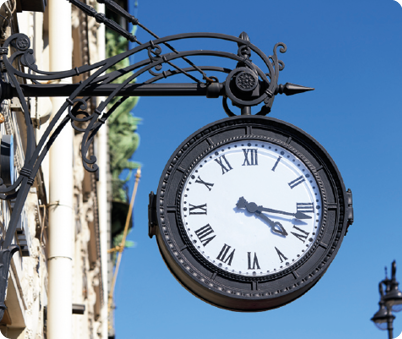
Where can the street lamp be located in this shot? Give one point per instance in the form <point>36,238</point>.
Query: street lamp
<point>390,302</point>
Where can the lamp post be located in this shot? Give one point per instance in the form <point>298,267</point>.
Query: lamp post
<point>390,302</point>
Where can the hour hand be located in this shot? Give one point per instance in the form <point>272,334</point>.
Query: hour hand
<point>276,226</point>
<point>252,207</point>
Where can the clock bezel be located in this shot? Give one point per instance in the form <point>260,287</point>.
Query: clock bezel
<point>225,289</point>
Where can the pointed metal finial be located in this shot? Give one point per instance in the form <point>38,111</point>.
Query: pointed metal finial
<point>290,89</point>
<point>244,36</point>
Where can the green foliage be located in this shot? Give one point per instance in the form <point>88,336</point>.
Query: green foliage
<point>123,138</point>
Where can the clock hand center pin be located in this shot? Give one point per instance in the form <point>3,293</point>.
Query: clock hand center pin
<point>252,207</point>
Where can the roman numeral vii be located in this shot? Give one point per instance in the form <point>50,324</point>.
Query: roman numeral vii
<point>223,255</point>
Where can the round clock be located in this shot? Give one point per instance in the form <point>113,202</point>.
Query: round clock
<point>249,213</point>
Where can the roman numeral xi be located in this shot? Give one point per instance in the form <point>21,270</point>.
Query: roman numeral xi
<point>224,163</point>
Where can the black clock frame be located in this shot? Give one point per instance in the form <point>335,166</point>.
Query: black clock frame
<point>231,291</point>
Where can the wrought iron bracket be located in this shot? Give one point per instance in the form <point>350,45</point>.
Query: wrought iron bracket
<point>245,85</point>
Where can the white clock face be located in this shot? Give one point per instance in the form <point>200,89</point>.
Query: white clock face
<point>251,208</point>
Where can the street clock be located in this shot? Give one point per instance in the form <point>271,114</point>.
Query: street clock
<point>249,213</point>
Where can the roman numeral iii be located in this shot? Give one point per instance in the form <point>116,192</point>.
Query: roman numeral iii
<point>225,166</point>
<point>203,233</point>
<point>198,209</point>
<point>250,157</point>
<point>223,255</point>
<point>305,207</point>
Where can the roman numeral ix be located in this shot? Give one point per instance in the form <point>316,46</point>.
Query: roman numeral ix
<point>203,233</point>
<point>198,209</point>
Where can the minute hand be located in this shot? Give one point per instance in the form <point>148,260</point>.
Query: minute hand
<point>297,215</point>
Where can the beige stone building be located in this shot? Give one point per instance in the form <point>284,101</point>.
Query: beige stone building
<point>58,280</point>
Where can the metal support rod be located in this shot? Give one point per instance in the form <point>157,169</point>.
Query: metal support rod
<point>214,90</point>
<point>390,327</point>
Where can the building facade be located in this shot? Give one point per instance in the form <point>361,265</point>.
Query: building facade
<point>58,280</point>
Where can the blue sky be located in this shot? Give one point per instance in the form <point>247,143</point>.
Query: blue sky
<point>351,53</point>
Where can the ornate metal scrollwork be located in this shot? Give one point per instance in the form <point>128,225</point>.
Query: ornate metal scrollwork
<point>243,82</point>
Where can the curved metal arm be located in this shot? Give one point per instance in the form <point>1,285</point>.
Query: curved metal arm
<point>242,81</point>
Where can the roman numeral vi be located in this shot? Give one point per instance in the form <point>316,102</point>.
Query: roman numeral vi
<point>254,261</point>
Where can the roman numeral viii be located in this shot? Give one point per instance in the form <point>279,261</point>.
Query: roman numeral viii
<point>254,262</point>
<point>223,255</point>
<point>198,209</point>
<point>225,166</point>
<point>250,157</point>
<point>203,233</point>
